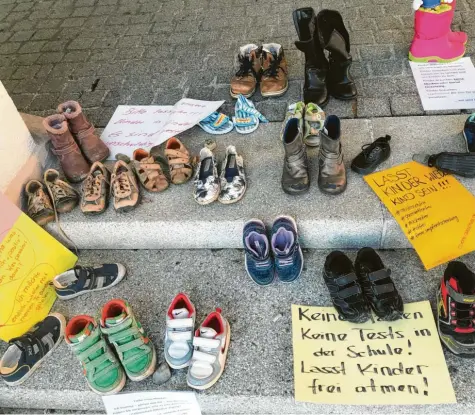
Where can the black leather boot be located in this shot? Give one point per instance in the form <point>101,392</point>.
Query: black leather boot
<point>316,64</point>
<point>335,38</point>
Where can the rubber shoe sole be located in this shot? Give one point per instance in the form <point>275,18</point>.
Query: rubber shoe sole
<point>462,164</point>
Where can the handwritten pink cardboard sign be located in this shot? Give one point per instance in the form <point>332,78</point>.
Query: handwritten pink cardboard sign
<point>145,126</point>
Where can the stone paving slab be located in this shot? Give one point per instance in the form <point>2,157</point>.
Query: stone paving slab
<point>173,219</point>
<point>110,52</point>
<point>259,370</point>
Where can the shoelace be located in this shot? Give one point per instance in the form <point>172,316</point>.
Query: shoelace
<point>263,264</point>
<point>245,66</point>
<point>57,190</point>
<point>273,70</point>
<point>92,185</point>
<point>371,150</point>
<point>38,202</point>
<point>121,185</point>
<point>286,261</point>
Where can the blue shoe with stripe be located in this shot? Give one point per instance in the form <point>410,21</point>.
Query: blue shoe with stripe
<point>259,265</point>
<point>81,280</point>
<point>288,257</point>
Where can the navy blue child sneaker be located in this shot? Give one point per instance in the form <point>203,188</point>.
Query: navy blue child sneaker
<point>81,280</point>
<point>26,353</point>
<point>288,257</point>
<point>469,133</point>
<point>258,262</point>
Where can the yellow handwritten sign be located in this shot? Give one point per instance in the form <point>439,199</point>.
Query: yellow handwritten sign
<point>29,259</point>
<point>435,211</point>
<point>375,363</point>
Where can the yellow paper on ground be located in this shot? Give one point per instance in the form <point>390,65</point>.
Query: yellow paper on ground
<point>435,211</point>
<point>29,259</point>
<point>374,363</point>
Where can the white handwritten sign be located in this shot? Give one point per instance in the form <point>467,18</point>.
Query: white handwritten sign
<point>145,126</point>
<point>152,403</point>
<point>375,363</point>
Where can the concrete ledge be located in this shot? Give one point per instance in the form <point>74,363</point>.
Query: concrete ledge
<point>259,371</point>
<point>354,219</point>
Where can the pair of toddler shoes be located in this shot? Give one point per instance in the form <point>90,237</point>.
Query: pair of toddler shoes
<point>204,351</point>
<point>229,187</point>
<point>287,263</point>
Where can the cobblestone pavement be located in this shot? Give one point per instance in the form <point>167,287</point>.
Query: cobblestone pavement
<point>110,52</point>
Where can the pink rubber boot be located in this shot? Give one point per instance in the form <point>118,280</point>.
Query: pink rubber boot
<point>431,38</point>
<point>460,37</point>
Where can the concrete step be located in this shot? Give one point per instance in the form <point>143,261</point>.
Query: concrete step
<point>259,373</point>
<point>356,218</point>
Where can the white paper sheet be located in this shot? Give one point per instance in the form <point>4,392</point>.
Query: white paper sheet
<point>153,403</point>
<point>144,126</point>
<point>445,86</point>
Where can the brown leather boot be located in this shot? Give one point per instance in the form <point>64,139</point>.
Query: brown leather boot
<point>91,145</point>
<point>274,81</point>
<point>72,161</point>
<point>247,77</point>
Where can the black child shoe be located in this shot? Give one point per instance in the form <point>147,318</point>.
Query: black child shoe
<point>345,291</point>
<point>372,155</point>
<point>26,353</point>
<point>456,309</point>
<point>378,287</point>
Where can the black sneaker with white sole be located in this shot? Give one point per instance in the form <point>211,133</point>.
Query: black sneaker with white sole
<point>81,280</point>
<point>26,353</point>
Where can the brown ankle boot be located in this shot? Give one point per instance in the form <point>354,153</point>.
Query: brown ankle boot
<point>274,81</point>
<point>91,145</point>
<point>72,161</point>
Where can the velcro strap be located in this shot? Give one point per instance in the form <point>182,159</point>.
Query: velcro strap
<point>383,289</point>
<point>180,336</point>
<point>81,135</point>
<point>381,274</point>
<point>346,279</point>
<point>203,357</point>
<point>73,147</point>
<point>460,298</point>
<point>348,292</point>
<point>207,343</point>
<point>244,122</point>
<point>180,323</point>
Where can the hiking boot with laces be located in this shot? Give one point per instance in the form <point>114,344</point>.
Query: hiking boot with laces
<point>92,146</point>
<point>378,287</point>
<point>95,190</point>
<point>345,290</point>
<point>125,190</point>
<point>149,171</point>
<point>127,337</point>
<point>26,353</point>
<point>211,344</point>
<point>179,161</point>
<point>63,195</point>
<point>81,280</point>
<point>247,77</point>
<point>73,163</point>
<point>274,81</point>
<point>456,309</point>
<point>40,208</point>
<point>372,155</point>
<point>332,172</point>
<point>102,370</point>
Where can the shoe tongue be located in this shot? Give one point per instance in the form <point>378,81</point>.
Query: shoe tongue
<point>257,244</point>
<point>82,335</point>
<point>113,321</point>
<point>247,49</point>
<point>180,313</point>
<point>208,332</point>
<point>282,241</point>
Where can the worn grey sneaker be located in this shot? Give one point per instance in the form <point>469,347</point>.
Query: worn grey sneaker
<point>233,178</point>
<point>211,343</point>
<point>63,195</point>
<point>295,178</point>
<point>179,332</point>
<point>206,182</point>
<point>332,172</point>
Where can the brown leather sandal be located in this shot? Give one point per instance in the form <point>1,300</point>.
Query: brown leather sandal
<point>149,171</point>
<point>179,160</point>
